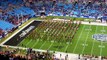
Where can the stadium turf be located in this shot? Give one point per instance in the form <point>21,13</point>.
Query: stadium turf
<point>82,43</point>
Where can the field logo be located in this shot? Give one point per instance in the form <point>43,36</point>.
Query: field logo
<point>100,37</point>
<point>26,31</point>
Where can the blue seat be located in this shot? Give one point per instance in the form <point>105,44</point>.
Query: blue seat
<point>6,25</point>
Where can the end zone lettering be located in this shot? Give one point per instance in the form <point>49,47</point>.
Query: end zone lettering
<point>26,31</point>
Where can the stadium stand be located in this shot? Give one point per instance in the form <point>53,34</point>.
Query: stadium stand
<point>30,55</point>
<point>18,11</point>
<point>14,12</point>
<point>5,25</point>
<point>12,15</point>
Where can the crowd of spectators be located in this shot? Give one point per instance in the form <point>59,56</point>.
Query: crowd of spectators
<point>30,54</point>
<point>76,9</point>
<point>14,12</point>
<point>12,54</point>
<point>18,11</point>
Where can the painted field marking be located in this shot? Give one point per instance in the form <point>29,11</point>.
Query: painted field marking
<point>42,45</point>
<point>94,41</point>
<point>50,45</point>
<point>66,47</point>
<point>86,41</point>
<point>29,42</point>
<point>68,43</point>
<point>21,42</point>
<point>101,44</point>
<point>35,43</point>
<point>78,39</point>
<point>84,44</point>
<point>58,46</point>
<point>58,33</point>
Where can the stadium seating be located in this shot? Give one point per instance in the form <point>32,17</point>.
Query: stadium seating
<point>12,15</point>
<point>60,9</point>
<point>14,12</point>
<point>5,25</point>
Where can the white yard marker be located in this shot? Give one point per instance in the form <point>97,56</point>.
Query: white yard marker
<point>58,46</point>
<point>29,42</point>
<point>101,45</point>
<point>68,43</point>
<point>35,43</point>
<point>85,41</point>
<point>84,44</point>
<point>94,41</point>
<point>21,42</point>
<point>66,47</point>
<point>50,45</point>
<point>79,38</point>
<point>43,45</point>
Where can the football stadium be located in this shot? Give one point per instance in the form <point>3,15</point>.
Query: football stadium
<point>53,29</point>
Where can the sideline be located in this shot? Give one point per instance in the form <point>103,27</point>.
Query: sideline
<point>71,56</point>
<point>94,23</point>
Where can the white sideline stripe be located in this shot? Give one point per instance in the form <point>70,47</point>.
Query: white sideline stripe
<point>94,23</point>
<point>94,41</point>
<point>71,56</point>
<point>16,32</point>
<point>23,48</point>
<point>86,40</point>
<point>78,39</point>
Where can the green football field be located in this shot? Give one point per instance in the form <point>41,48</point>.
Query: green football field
<point>81,43</point>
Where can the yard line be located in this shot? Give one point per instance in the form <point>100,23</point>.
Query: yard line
<point>67,42</point>
<point>94,41</point>
<point>101,48</point>
<point>21,42</point>
<point>86,40</point>
<point>50,45</point>
<point>66,47</point>
<point>47,39</point>
<point>57,33</point>
<point>43,37</point>
<point>101,45</point>
<point>43,45</point>
<point>58,46</point>
<point>35,43</point>
<point>78,39</point>
<point>29,42</point>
